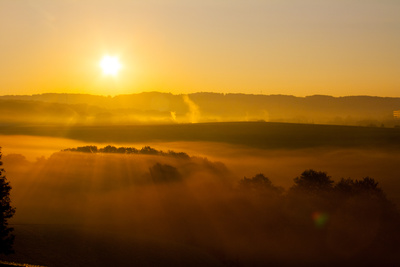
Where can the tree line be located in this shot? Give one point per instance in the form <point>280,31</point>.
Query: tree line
<point>6,212</point>
<point>146,150</point>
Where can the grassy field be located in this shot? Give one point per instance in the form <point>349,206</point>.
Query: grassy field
<point>265,135</point>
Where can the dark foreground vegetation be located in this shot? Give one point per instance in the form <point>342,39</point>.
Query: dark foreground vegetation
<point>320,222</point>
<point>111,209</point>
<point>6,212</point>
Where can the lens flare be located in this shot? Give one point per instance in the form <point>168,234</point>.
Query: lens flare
<point>320,219</point>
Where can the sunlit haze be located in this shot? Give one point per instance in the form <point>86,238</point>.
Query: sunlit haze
<point>110,65</point>
<point>260,47</point>
<point>199,133</point>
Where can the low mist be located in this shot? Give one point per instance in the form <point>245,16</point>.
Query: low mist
<point>164,108</point>
<point>201,202</point>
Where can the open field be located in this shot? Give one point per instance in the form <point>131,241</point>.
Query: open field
<point>262,135</point>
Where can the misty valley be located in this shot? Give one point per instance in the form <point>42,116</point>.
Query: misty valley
<point>229,133</point>
<point>166,108</point>
<point>203,179</point>
<point>240,133</point>
<point>111,205</point>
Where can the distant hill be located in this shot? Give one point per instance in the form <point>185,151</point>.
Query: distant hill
<point>155,107</point>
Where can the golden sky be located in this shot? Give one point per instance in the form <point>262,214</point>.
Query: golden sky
<point>297,47</point>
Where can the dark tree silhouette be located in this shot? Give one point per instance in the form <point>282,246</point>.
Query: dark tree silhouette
<point>366,187</point>
<point>87,149</point>
<point>6,212</point>
<point>109,149</point>
<point>313,182</point>
<point>149,151</point>
<point>259,183</point>
<point>368,184</point>
<point>181,155</point>
<point>162,173</point>
<point>345,186</point>
<point>131,150</point>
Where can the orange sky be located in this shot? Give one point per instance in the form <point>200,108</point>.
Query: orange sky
<point>298,47</point>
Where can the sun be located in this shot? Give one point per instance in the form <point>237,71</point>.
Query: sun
<point>110,65</point>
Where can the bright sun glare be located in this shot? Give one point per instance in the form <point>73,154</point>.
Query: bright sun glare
<point>110,65</point>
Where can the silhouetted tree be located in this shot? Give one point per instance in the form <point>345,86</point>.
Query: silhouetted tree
<point>84,149</point>
<point>149,151</point>
<point>131,150</point>
<point>121,150</point>
<point>345,186</point>
<point>259,183</point>
<point>313,181</point>
<point>369,184</point>
<point>109,149</point>
<point>87,149</point>
<point>181,155</point>
<point>366,187</point>
<point>164,173</point>
<point>6,212</point>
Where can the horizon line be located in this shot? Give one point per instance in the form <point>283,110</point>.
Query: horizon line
<point>199,92</point>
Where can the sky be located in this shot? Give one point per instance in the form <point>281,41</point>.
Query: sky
<point>293,47</point>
